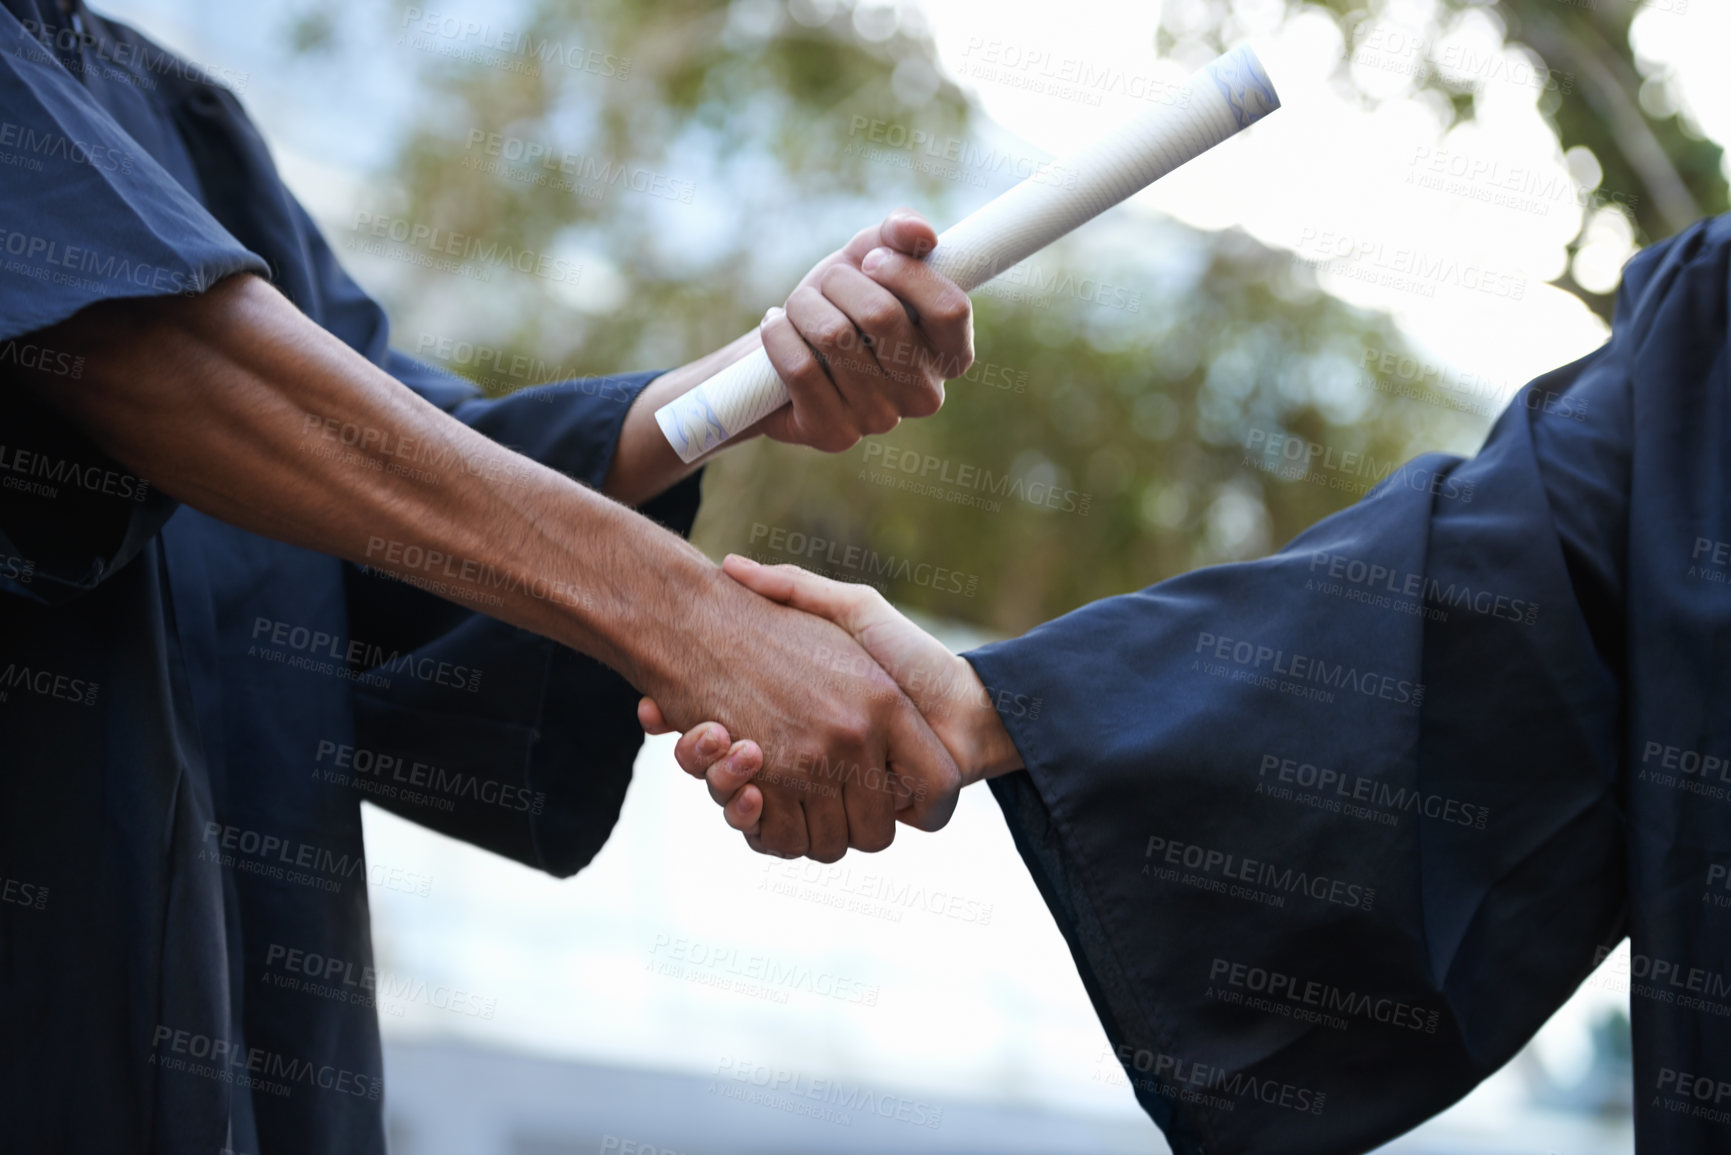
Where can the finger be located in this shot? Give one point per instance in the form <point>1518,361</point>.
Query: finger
<point>650,717</point>
<point>870,804</point>
<point>851,606</point>
<point>944,314</point>
<point>890,378</point>
<point>854,373</point>
<point>781,828</point>
<point>744,811</point>
<point>907,231</point>
<point>728,774</point>
<point>700,746</point>
<point>825,821</point>
<point>920,760</point>
<point>818,417</point>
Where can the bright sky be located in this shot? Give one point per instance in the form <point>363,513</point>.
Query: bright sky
<point>965,1008</point>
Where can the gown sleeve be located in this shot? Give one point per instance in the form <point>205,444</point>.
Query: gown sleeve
<point>1331,834</point>
<point>86,215</point>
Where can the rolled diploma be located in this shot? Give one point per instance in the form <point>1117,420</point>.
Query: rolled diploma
<point>1229,95</point>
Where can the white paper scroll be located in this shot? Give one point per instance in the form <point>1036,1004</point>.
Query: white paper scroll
<point>1227,96</point>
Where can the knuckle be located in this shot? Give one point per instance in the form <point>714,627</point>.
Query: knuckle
<point>853,733</point>
<point>882,315</point>
<point>837,439</point>
<point>951,308</point>
<point>833,334</point>
<point>925,401</point>
<point>801,369</point>
<point>881,421</point>
<point>833,276</point>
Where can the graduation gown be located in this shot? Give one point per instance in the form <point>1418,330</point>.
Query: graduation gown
<point>190,715</point>
<point>1332,833</point>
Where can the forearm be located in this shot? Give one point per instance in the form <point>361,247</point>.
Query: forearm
<point>644,463</point>
<point>221,401</point>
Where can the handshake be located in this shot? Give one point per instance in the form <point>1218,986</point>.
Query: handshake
<point>850,718</point>
<point>820,716</point>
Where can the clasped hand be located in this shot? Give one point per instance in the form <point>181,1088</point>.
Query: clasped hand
<point>849,715</point>
<point>759,792</point>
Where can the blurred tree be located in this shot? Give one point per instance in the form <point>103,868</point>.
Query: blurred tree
<point>1597,93</point>
<point>704,154</point>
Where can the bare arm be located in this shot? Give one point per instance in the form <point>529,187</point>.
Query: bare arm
<point>209,397</point>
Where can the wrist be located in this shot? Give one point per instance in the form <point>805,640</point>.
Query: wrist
<point>641,616</point>
<point>644,464</point>
<point>970,728</point>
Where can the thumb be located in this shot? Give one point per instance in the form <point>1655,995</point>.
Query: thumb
<point>847,605</point>
<point>906,231</point>
<point>921,762</point>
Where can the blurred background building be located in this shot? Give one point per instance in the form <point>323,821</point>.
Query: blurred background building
<point>542,189</point>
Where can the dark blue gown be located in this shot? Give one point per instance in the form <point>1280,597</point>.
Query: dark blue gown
<point>190,715</point>
<point>1332,833</point>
